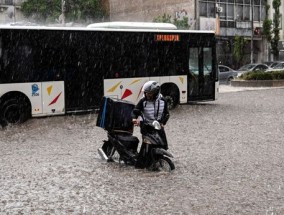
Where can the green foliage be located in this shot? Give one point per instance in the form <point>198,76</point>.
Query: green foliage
<point>261,75</point>
<point>182,24</point>
<point>41,9</point>
<point>278,75</point>
<point>272,34</point>
<point>166,18</point>
<point>276,4</point>
<point>267,27</point>
<point>276,22</point>
<point>84,10</point>
<point>238,48</point>
<point>267,24</point>
<point>257,75</point>
<point>50,10</point>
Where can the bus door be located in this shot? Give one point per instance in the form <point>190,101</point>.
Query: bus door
<point>201,82</point>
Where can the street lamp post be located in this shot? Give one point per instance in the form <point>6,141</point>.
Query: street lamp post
<point>252,32</point>
<point>217,19</point>
<point>14,13</point>
<point>63,11</point>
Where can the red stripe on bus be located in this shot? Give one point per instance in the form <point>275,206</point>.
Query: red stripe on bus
<point>54,100</point>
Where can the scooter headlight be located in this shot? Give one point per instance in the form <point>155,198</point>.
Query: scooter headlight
<point>146,140</point>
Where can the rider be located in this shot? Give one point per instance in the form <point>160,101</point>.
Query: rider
<point>153,106</point>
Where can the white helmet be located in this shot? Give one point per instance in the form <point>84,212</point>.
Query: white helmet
<point>152,87</point>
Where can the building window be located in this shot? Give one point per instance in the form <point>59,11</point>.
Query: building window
<point>227,11</point>
<point>256,13</point>
<point>233,10</point>
<point>230,10</point>
<point>243,12</point>
<point>9,2</point>
<point>207,8</point>
<point>223,14</point>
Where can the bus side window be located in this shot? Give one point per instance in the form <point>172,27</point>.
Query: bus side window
<point>207,61</point>
<point>193,61</point>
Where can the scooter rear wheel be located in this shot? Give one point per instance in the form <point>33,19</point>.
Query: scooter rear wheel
<point>110,152</point>
<point>107,148</point>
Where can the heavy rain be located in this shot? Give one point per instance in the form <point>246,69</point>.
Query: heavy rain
<point>228,156</point>
<point>56,60</point>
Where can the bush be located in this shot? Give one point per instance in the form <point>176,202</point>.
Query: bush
<point>261,75</point>
<point>278,75</point>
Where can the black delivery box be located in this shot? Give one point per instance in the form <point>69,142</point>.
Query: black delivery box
<point>115,114</point>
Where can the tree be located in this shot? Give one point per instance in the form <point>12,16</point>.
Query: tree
<point>182,24</point>
<point>239,47</point>
<point>276,22</point>
<point>76,10</point>
<point>267,24</point>
<point>272,33</point>
<point>166,18</point>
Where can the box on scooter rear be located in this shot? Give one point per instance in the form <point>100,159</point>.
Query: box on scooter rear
<point>115,114</point>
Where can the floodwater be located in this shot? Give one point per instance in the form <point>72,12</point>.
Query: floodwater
<point>228,155</point>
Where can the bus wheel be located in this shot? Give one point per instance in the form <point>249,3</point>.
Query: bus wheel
<point>15,110</point>
<point>172,101</point>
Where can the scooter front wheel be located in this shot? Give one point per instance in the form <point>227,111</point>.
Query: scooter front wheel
<point>164,164</point>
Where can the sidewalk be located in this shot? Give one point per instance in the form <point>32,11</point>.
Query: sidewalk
<point>228,88</point>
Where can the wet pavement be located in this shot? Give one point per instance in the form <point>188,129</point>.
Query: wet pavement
<point>228,155</point>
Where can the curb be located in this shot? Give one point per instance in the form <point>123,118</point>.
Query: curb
<point>257,83</point>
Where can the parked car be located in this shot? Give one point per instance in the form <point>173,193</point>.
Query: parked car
<point>252,67</point>
<point>271,64</point>
<point>275,63</point>
<point>226,74</point>
<point>278,67</point>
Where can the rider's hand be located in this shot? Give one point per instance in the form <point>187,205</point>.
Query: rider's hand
<point>136,122</point>
<point>162,125</point>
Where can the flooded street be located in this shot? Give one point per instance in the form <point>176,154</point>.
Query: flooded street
<point>228,155</point>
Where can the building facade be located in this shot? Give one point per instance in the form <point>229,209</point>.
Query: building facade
<point>147,10</point>
<point>227,18</point>
<point>10,11</point>
<point>235,17</point>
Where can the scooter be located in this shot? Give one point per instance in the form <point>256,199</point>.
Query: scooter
<point>122,146</point>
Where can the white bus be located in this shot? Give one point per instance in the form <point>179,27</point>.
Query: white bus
<point>51,71</point>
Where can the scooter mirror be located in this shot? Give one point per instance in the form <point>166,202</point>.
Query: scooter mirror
<point>156,125</point>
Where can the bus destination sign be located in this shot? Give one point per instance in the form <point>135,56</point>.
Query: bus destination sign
<point>167,37</point>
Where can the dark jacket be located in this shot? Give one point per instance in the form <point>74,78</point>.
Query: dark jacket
<point>156,110</point>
